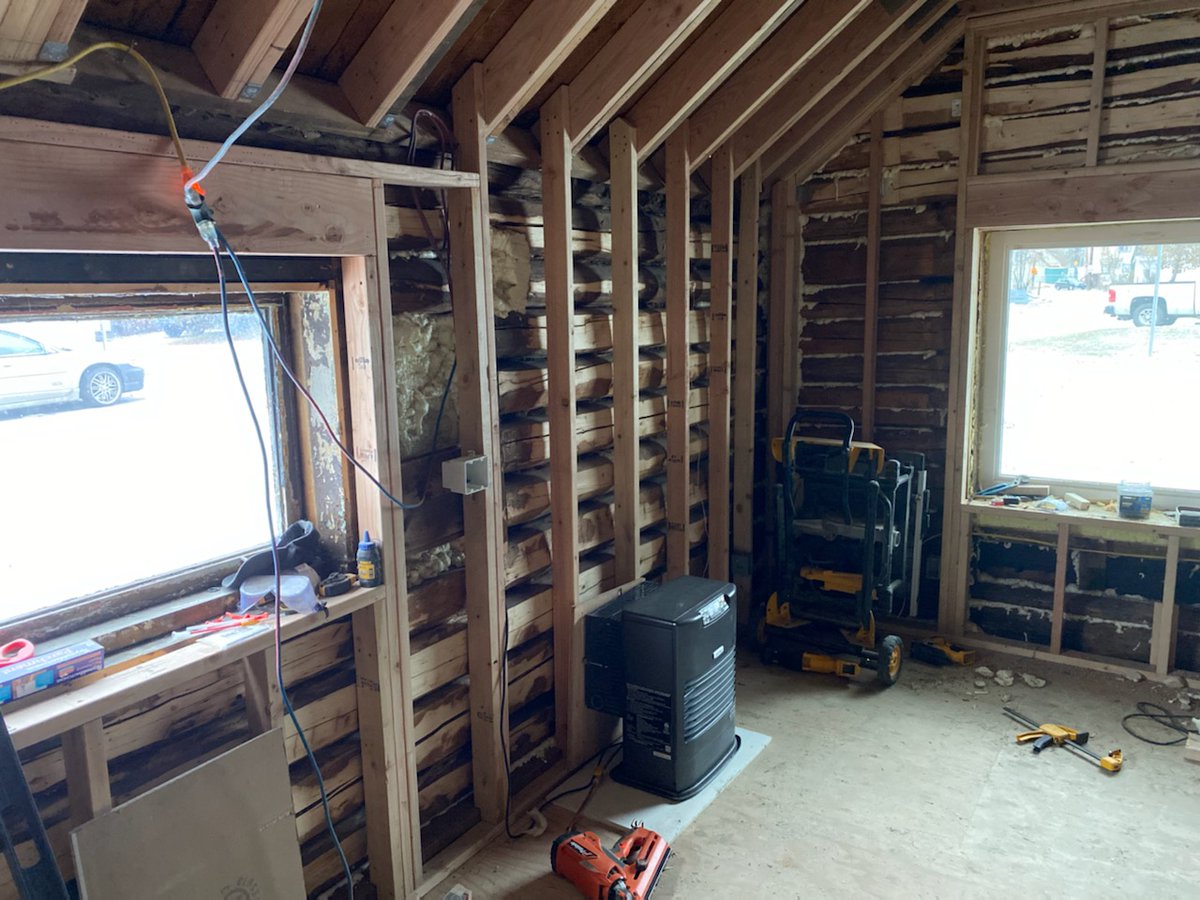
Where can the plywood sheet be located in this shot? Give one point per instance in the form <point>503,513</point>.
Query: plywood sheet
<point>223,829</point>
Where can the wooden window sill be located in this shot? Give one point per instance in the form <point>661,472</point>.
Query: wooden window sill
<point>43,718</point>
<point>1157,527</point>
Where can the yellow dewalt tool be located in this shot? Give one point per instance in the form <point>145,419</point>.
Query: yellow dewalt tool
<point>1043,736</point>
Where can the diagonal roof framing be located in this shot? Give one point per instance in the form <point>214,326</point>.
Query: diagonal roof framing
<point>724,44</point>
<point>877,40</point>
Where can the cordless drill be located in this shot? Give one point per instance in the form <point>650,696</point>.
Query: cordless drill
<point>629,871</point>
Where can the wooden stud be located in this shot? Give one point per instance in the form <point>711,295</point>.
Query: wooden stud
<point>529,53</point>
<point>1061,560</point>
<point>55,46</point>
<point>721,311</point>
<point>956,524</point>
<point>723,45</point>
<point>24,25</point>
<point>1096,105</point>
<point>782,382</point>
<point>811,27</point>
<point>240,42</point>
<point>400,52</point>
<point>745,387</point>
<point>560,364</point>
<point>678,240</point>
<point>619,69</point>
<point>381,646</point>
<point>479,434</point>
<point>625,334</point>
<point>264,702</point>
<point>871,311</point>
<point>86,764</point>
<point>1162,638</point>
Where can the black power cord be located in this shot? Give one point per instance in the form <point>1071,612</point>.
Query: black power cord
<point>270,508</point>
<point>1162,717</point>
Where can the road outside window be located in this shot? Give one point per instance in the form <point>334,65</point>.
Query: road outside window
<point>126,451</point>
<point>1098,364</point>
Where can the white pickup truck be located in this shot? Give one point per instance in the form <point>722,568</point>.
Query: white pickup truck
<point>1135,301</point>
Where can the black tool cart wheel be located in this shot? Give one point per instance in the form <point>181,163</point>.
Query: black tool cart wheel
<point>891,660</point>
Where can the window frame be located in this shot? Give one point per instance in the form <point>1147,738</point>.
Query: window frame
<point>154,606</point>
<point>992,339</point>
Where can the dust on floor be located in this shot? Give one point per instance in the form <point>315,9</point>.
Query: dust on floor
<point>921,790</point>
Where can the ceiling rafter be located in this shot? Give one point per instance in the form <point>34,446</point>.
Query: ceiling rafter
<point>808,29</point>
<point>629,59</point>
<point>724,45</point>
<point>530,52</point>
<point>401,52</point>
<point>27,27</point>
<point>240,42</point>
<point>876,41</point>
<point>854,102</point>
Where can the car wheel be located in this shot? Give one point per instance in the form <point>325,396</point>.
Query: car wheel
<point>1143,315</point>
<point>101,386</point>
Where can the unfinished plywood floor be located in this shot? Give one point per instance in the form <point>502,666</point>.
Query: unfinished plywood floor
<point>919,790</point>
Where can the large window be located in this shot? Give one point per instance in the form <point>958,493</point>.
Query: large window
<point>1090,345</point>
<point>126,451</point>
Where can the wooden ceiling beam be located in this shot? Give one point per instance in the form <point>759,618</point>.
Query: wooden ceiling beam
<point>811,143</point>
<point>628,60</point>
<point>809,29</point>
<point>724,45</point>
<point>241,41</point>
<point>400,52</point>
<point>530,52</point>
<point>26,26</point>
<point>874,43</point>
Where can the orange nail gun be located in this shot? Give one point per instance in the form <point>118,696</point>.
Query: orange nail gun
<point>629,871</point>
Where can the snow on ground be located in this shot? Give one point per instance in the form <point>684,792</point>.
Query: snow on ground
<point>1085,400</point>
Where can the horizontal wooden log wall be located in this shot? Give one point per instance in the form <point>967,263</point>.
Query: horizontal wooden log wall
<point>166,735</point>
<point>433,533</point>
<point>1037,97</point>
<point>1112,588</point>
<point>917,185</point>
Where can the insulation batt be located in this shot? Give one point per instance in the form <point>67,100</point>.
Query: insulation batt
<point>424,354</point>
<point>429,564</point>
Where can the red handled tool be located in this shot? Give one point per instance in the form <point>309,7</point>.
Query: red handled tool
<point>16,651</point>
<point>629,871</point>
<point>227,621</point>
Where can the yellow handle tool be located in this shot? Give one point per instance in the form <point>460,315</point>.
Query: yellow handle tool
<point>1043,736</point>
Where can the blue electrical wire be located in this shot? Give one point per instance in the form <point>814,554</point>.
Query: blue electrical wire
<point>190,187</point>
<point>270,506</point>
<point>329,429</point>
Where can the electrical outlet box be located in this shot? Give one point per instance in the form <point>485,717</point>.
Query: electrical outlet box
<point>466,475</point>
<point>956,109</point>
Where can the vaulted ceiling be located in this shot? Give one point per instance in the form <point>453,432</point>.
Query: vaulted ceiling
<point>779,79</point>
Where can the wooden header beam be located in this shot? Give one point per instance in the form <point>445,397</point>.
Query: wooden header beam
<point>875,42</point>
<point>783,54</point>
<point>540,41</point>
<point>628,60</point>
<point>723,46</point>
<point>400,52</point>
<point>240,42</point>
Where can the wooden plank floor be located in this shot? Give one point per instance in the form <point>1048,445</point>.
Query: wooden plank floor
<point>918,790</point>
